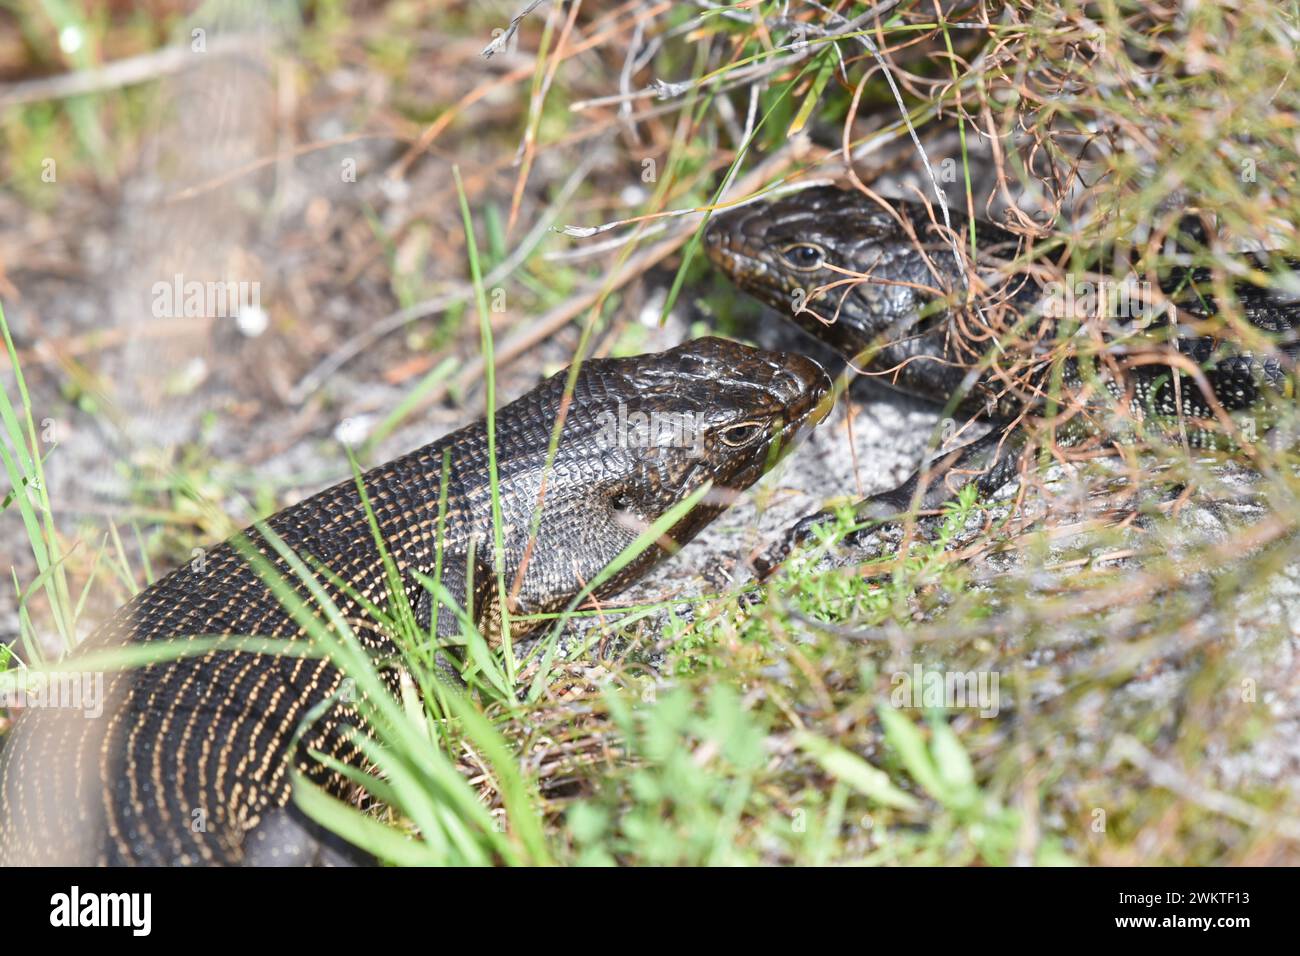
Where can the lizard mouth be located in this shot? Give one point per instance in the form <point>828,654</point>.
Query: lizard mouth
<point>751,265</point>
<point>804,391</point>
<point>726,251</point>
<point>813,401</point>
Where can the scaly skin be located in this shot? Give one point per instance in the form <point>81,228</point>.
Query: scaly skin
<point>889,309</point>
<point>883,291</point>
<point>212,733</point>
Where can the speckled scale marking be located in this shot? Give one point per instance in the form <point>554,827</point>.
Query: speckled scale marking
<point>891,318</point>
<point>874,285</point>
<point>211,734</point>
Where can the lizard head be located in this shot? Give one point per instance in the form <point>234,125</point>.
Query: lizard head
<point>845,269</point>
<point>640,436</point>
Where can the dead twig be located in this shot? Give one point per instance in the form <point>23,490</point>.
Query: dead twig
<point>121,73</point>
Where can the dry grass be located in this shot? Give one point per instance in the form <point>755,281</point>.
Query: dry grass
<point>1137,612</point>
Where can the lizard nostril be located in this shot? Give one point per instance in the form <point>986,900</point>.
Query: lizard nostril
<point>802,375</point>
<point>788,385</point>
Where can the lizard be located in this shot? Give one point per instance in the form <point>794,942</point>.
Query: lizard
<point>883,286</point>
<point>215,732</point>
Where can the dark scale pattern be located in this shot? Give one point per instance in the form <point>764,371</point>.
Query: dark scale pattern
<point>896,324</point>
<point>897,321</point>
<point>211,734</point>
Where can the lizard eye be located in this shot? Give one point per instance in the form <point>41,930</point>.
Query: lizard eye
<point>803,256</point>
<point>737,436</point>
<point>621,502</point>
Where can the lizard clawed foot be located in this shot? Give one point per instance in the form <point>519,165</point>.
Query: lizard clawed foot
<point>879,510</point>
<point>800,533</point>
